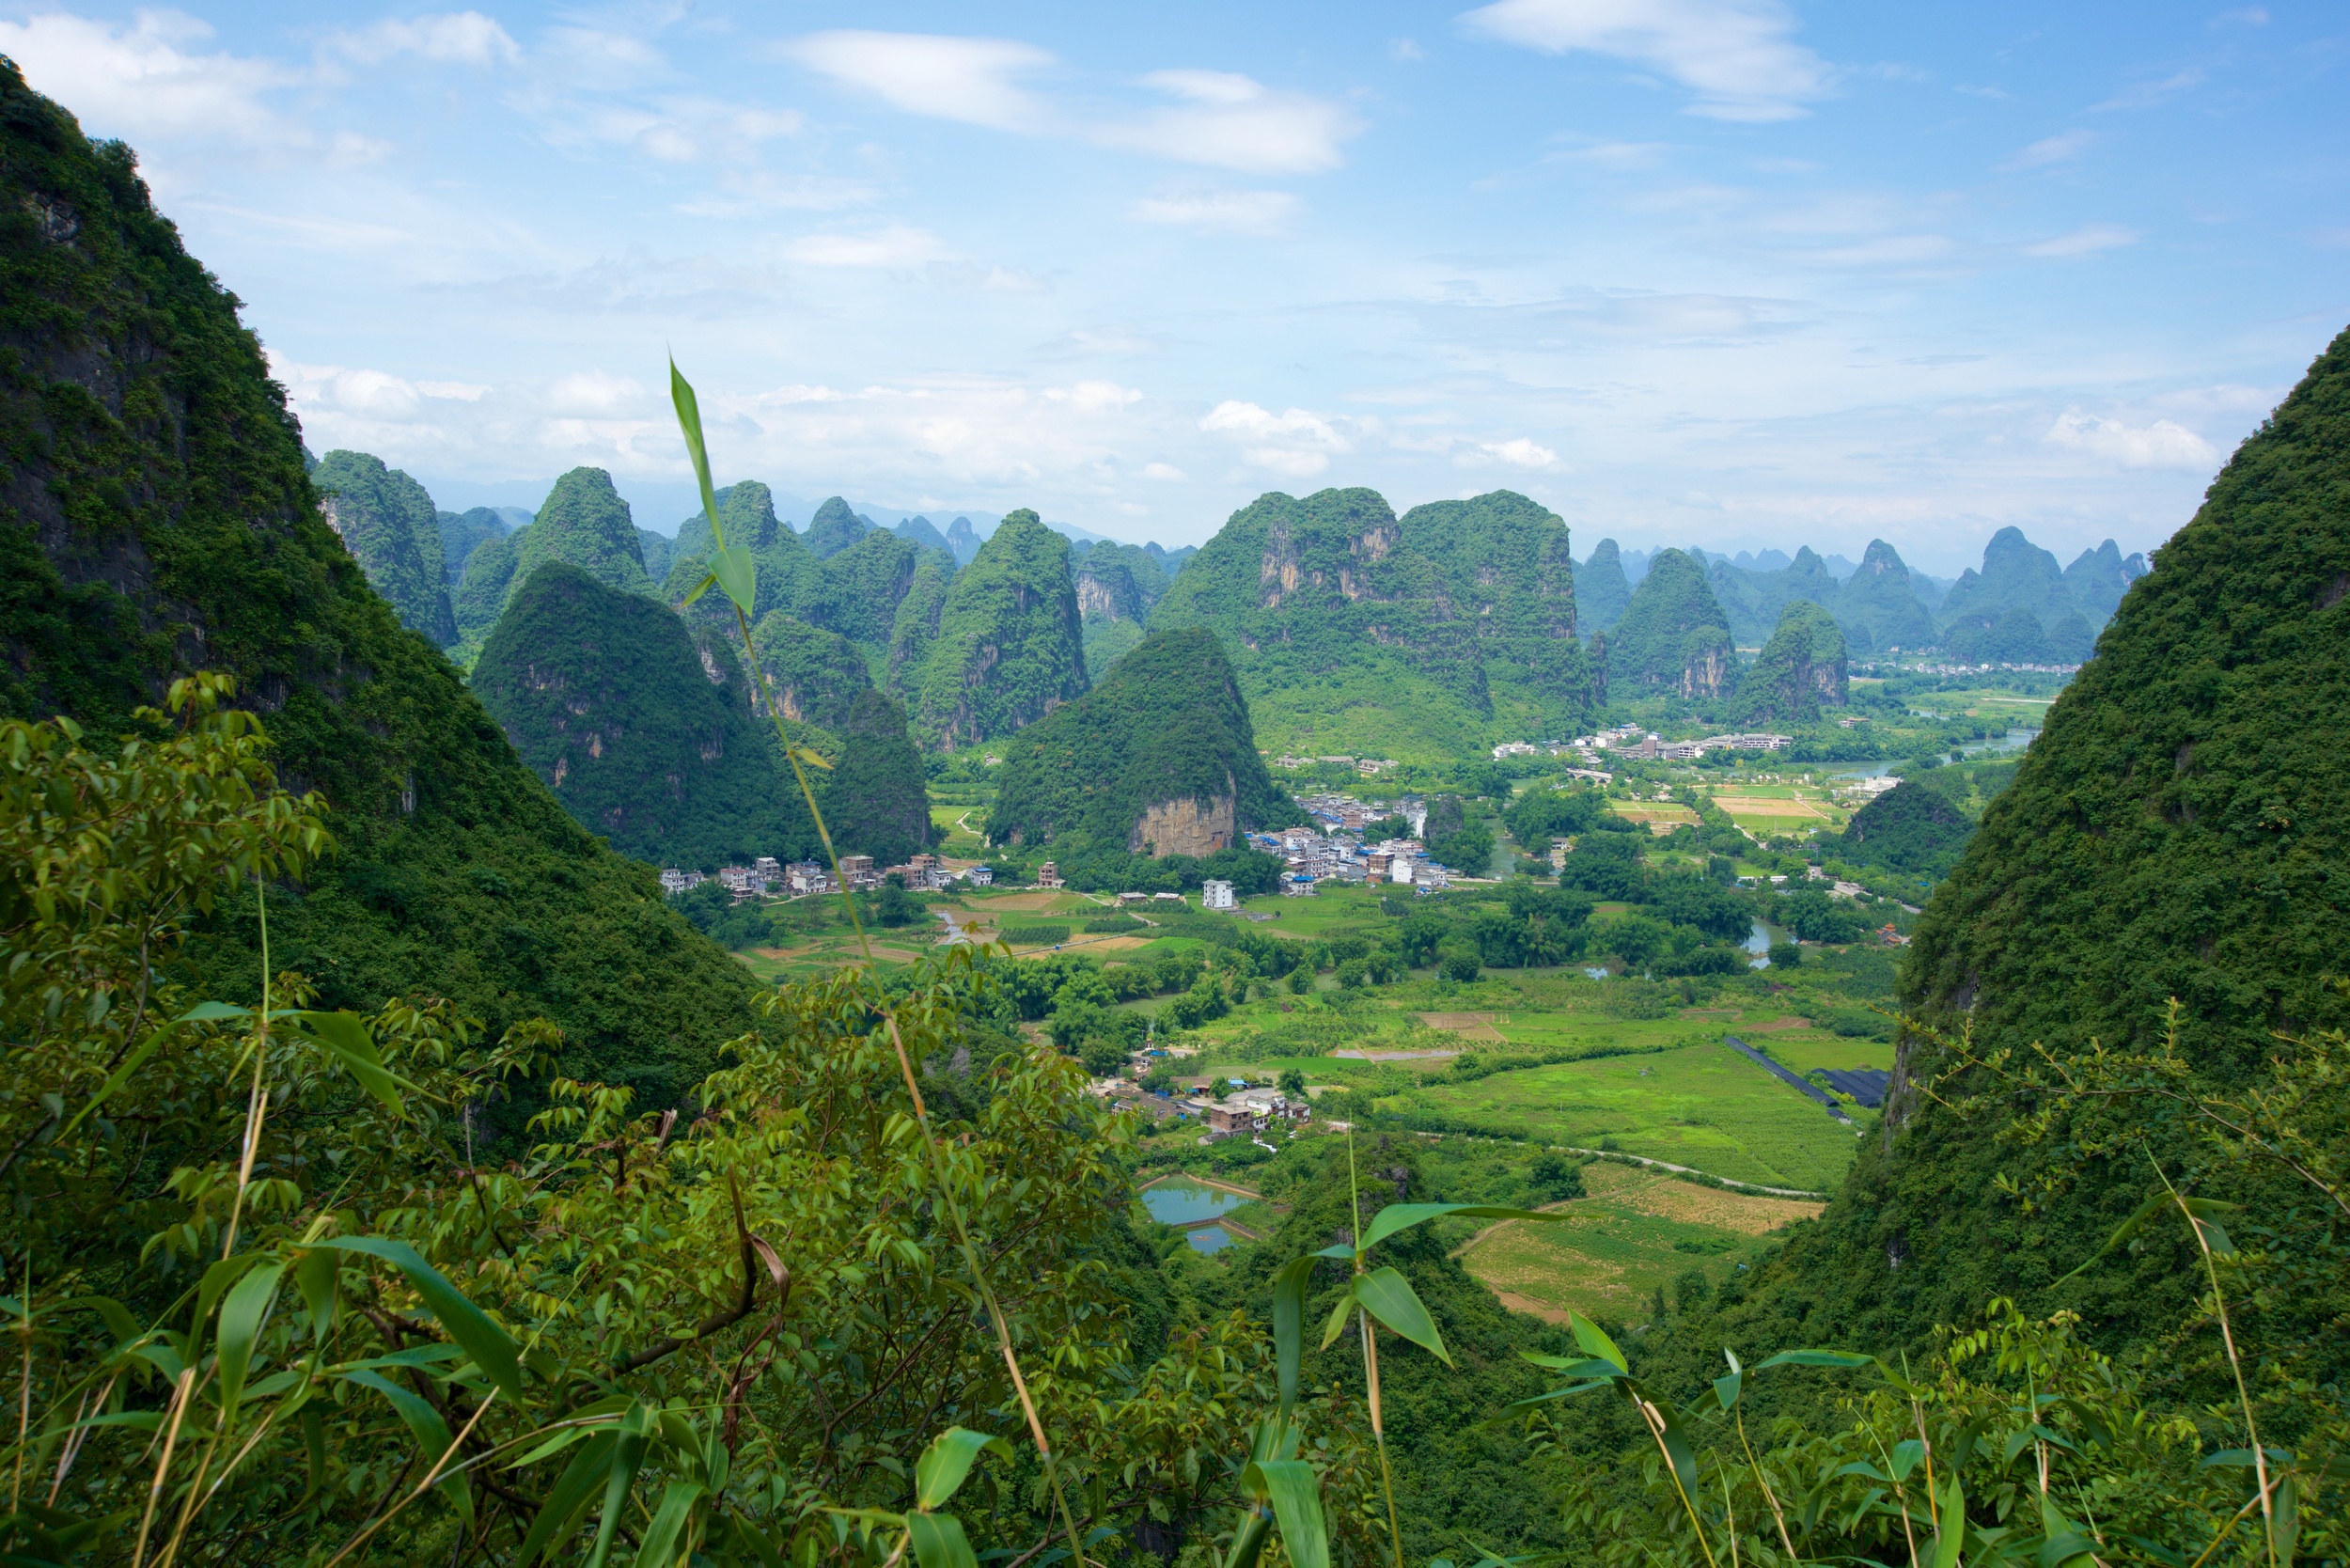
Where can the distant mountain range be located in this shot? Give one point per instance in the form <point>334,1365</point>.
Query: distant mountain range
<point>2019,608</point>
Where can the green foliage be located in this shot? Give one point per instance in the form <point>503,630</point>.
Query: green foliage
<point>459,875</point>
<point>1673,636</point>
<point>390,528</point>
<point>1755,601</point>
<point>1910,828</point>
<point>463,533</point>
<point>1506,568</point>
<point>481,589</point>
<point>818,676</point>
<point>916,624</point>
<point>1799,671</point>
<point>874,799</point>
<point>1036,934</point>
<point>585,522</point>
<point>1009,646</point>
<point>1363,628</point>
<point>1877,606</point>
<point>1165,726</point>
<point>2017,576</point>
<point>787,573</point>
<point>833,528</point>
<point>604,696</point>
<point>1602,590</point>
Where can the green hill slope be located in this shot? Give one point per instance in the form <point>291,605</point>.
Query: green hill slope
<point>585,522</point>
<point>1909,828</point>
<point>1673,637</point>
<point>2177,832</point>
<point>1754,600</point>
<point>391,528</point>
<point>463,533</point>
<point>1601,590</point>
<point>1878,607</point>
<point>1509,573</point>
<point>1342,634</point>
<point>606,697</point>
<point>141,424</point>
<point>1158,760</point>
<point>833,529</point>
<point>1010,646</point>
<point>1801,670</point>
<point>875,802</point>
<point>817,675</point>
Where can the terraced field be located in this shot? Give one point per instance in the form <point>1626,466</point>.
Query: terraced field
<point>1635,1234</point>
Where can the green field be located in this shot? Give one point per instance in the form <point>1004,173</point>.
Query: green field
<point>1636,1235</point>
<point>1702,1105</point>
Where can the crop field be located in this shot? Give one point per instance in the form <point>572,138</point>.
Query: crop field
<point>1702,1105</point>
<point>1634,1234</point>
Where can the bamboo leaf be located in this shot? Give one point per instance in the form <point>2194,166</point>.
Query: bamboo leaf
<point>1595,1341</point>
<point>1676,1444</point>
<point>468,1325</point>
<point>1841,1360</point>
<point>132,1062</point>
<point>1948,1545</point>
<point>689,420</point>
<point>1398,1218</point>
<point>1289,1325</point>
<point>432,1435</point>
<point>1290,1486</point>
<point>2285,1523</point>
<point>559,1515</point>
<point>948,1459</point>
<point>1906,1456</point>
<point>344,1038</point>
<point>938,1541</point>
<point>710,580</point>
<point>738,574</point>
<point>662,1541</point>
<point>315,1277</point>
<point>1337,1324</point>
<point>241,1314</point>
<point>1385,1294</point>
<point>628,1457</point>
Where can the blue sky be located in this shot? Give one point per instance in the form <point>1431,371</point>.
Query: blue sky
<point>1716,272</point>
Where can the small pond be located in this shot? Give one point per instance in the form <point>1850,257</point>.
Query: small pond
<point>1181,1201</point>
<point>1762,939</point>
<point>1209,1238</point>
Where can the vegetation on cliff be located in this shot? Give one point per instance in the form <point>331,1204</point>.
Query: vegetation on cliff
<point>389,526</point>
<point>875,802</point>
<point>1673,636</point>
<point>1166,729</point>
<point>1507,571</point>
<point>1602,591</point>
<point>585,522</point>
<point>458,874</point>
<point>1801,670</point>
<point>1010,645</point>
<point>605,697</point>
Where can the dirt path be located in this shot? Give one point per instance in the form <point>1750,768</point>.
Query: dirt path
<point>1500,1225</point>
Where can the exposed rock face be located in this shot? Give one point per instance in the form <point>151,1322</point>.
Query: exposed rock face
<point>1187,825</point>
<point>1673,634</point>
<point>1802,669</point>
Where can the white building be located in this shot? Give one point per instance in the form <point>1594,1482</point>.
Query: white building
<point>981,876</point>
<point>674,882</point>
<point>1217,895</point>
<point>1297,885</point>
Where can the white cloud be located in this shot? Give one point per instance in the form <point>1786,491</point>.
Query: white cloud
<point>1735,55</point>
<point>2088,240</point>
<point>965,79</point>
<point>147,81</point>
<point>1405,50</point>
<point>2246,16</point>
<point>1295,444</point>
<point>898,245</point>
<point>1520,453</point>
<point>2161,445</point>
<point>1218,211</point>
<point>456,37</point>
<point>2060,147</point>
<point>2146,95</point>
<point>1236,122</point>
<point>1161,471</point>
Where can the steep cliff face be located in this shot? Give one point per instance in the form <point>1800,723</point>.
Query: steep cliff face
<point>1673,635</point>
<point>1159,759</point>
<point>1602,591</point>
<point>1336,628</point>
<point>1010,646</point>
<point>833,529</point>
<point>392,530</point>
<point>1802,669</point>
<point>817,675</point>
<point>1187,825</point>
<point>155,517</point>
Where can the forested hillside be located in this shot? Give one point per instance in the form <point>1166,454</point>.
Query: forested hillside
<point>1009,646</point>
<point>1802,669</point>
<point>1342,621</point>
<point>1673,636</point>
<point>644,739</point>
<point>2157,884</point>
<point>387,523</point>
<point>1601,590</point>
<point>457,871</point>
<point>1157,759</point>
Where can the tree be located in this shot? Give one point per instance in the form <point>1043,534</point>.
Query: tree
<point>1292,1083</point>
